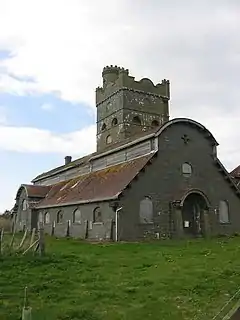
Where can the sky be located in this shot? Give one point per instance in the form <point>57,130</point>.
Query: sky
<point>52,53</point>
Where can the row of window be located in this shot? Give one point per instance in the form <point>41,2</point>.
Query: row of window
<point>76,217</point>
<point>114,123</point>
<point>135,120</point>
<point>145,213</point>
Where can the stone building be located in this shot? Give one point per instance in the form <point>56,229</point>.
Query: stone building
<point>149,177</point>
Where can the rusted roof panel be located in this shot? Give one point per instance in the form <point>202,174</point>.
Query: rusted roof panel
<point>36,191</point>
<point>102,184</point>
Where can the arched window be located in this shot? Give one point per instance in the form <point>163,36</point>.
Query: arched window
<point>40,217</point>
<point>223,212</point>
<point>146,210</point>
<point>47,218</point>
<point>97,215</point>
<point>77,216</point>
<point>114,122</point>
<point>109,139</point>
<point>60,217</point>
<point>104,127</point>
<point>155,123</point>
<point>136,120</point>
<point>24,205</point>
<point>186,169</point>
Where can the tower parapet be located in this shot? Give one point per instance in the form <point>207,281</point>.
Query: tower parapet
<point>116,78</point>
<point>126,107</point>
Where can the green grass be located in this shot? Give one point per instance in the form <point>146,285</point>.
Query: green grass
<point>159,280</point>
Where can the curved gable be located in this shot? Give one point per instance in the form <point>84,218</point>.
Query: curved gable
<point>33,191</point>
<point>189,122</point>
<point>20,190</point>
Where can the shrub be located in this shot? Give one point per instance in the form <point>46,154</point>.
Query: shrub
<point>6,224</point>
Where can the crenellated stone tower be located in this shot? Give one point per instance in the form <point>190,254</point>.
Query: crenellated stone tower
<point>126,107</point>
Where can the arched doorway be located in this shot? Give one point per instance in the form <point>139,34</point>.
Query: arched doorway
<point>194,206</point>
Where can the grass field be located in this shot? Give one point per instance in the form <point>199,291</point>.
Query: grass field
<point>160,280</point>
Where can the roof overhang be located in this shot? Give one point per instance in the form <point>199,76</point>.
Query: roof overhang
<point>66,204</point>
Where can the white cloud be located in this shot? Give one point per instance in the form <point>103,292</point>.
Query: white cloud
<point>61,46</point>
<point>27,139</point>
<point>66,55</point>
<point>3,115</point>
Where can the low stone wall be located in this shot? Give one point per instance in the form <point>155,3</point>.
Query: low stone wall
<point>87,230</point>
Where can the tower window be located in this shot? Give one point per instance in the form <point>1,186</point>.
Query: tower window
<point>114,121</point>
<point>104,127</point>
<point>155,123</point>
<point>136,120</point>
<point>109,139</point>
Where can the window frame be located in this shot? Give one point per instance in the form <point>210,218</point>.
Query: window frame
<point>137,120</point>
<point>228,212</point>
<point>60,212</point>
<point>155,123</point>
<point>46,214</point>
<point>114,122</point>
<point>94,215</point>
<point>103,127</point>
<point>107,139</point>
<point>74,216</point>
<point>40,215</point>
<point>184,173</point>
<point>152,211</point>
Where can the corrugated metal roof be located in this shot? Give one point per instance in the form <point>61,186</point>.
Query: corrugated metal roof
<point>36,191</point>
<point>103,184</point>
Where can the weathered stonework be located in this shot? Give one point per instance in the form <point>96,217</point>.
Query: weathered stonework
<point>126,107</point>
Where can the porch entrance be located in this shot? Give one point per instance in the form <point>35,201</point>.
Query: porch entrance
<point>193,208</point>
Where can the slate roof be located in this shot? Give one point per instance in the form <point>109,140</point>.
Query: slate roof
<point>95,186</point>
<point>235,173</point>
<point>35,191</point>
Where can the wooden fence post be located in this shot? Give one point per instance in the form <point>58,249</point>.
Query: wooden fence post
<point>27,310</point>
<point>41,240</point>
<point>1,241</point>
<point>53,228</point>
<point>12,240</point>
<point>33,236</point>
<point>68,229</point>
<point>86,229</point>
<point>13,227</point>
<point>23,239</point>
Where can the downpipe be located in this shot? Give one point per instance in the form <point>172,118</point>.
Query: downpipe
<point>116,222</point>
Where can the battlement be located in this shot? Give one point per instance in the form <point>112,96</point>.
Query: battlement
<point>116,78</point>
<point>113,69</point>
